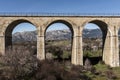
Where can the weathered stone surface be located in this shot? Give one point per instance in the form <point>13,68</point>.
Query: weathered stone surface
<point>108,25</point>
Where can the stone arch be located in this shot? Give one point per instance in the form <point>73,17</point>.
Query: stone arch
<point>105,32</point>
<point>9,29</point>
<point>68,24</point>
<point>60,21</point>
<point>102,25</point>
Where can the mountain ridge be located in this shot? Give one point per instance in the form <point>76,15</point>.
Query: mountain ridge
<point>54,35</point>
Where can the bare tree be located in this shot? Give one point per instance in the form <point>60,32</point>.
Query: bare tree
<point>18,62</point>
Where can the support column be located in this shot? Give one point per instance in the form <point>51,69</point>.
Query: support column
<point>115,51</point>
<point>74,51</point>
<point>111,50</point>
<point>107,51</point>
<point>77,53</point>
<point>80,51</point>
<point>40,48</point>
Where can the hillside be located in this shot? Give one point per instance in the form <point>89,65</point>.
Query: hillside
<point>54,35</point>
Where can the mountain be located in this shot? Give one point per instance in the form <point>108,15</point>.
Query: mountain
<point>58,35</point>
<point>92,33</point>
<point>54,35</point>
<point>24,36</point>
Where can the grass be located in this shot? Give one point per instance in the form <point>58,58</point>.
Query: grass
<point>60,42</point>
<point>64,45</point>
<point>66,54</point>
<point>92,53</point>
<point>103,69</point>
<point>116,70</point>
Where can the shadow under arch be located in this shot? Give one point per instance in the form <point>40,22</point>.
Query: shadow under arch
<point>69,25</point>
<point>104,29</point>
<point>9,29</point>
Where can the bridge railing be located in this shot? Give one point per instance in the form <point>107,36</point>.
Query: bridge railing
<point>56,14</point>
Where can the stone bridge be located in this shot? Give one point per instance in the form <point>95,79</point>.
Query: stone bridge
<point>109,26</point>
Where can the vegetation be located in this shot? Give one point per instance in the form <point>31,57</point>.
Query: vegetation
<point>20,64</point>
<point>97,53</point>
<point>60,50</point>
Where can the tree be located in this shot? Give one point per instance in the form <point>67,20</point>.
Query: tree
<point>18,62</point>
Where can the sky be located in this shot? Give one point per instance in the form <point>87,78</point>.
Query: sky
<point>59,6</point>
<point>57,26</point>
<point>24,27</point>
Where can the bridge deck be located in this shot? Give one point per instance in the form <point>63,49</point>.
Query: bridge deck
<point>29,14</point>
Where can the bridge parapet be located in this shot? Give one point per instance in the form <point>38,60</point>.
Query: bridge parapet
<point>59,14</point>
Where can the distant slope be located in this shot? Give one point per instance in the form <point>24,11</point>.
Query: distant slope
<point>58,35</point>
<point>54,35</point>
<point>92,33</point>
<point>24,36</point>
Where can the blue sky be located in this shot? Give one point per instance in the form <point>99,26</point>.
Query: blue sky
<point>59,6</point>
<point>24,27</point>
<point>57,26</point>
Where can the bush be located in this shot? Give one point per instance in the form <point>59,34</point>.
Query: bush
<point>56,51</point>
<point>49,69</point>
<point>18,63</point>
<point>110,75</point>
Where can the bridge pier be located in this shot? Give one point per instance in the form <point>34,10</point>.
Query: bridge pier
<point>80,51</point>
<point>107,51</point>
<point>115,51</point>
<point>40,48</point>
<point>77,55</point>
<point>111,50</point>
<point>77,51</point>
